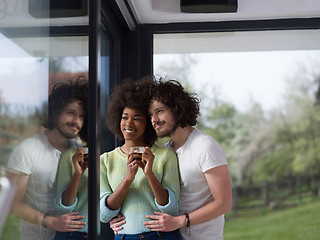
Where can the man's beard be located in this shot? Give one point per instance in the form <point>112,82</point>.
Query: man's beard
<point>167,132</point>
<point>66,134</point>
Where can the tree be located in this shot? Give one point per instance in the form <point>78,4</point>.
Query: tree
<point>179,68</point>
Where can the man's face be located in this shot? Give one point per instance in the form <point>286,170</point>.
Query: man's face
<point>162,119</point>
<point>71,120</point>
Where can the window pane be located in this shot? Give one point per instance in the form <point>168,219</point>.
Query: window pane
<point>259,96</point>
<point>33,58</point>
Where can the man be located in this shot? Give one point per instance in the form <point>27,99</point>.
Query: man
<point>206,193</point>
<point>34,162</point>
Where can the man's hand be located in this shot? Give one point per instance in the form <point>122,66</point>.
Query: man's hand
<point>116,223</point>
<point>65,223</point>
<point>164,222</point>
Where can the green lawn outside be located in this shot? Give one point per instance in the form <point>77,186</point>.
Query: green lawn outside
<point>297,223</point>
<point>11,230</point>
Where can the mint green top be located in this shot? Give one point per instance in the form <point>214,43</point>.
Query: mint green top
<point>64,175</point>
<point>139,200</point>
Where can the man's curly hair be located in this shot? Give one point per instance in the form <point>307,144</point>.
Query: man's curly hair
<point>129,95</point>
<point>185,106</point>
<point>65,93</point>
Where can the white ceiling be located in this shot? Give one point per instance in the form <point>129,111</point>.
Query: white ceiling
<point>168,11</point>
<point>15,12</point>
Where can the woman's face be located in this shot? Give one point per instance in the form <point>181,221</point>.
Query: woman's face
<point>133,125</point>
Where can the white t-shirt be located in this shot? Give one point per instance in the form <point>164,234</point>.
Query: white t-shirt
<point>36,157</point>
<point>199,154</point>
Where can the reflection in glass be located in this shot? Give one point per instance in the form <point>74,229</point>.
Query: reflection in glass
<point>29,68</point>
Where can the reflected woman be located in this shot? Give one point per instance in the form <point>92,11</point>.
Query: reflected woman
<point>131,186</point>
<point>72,191</point>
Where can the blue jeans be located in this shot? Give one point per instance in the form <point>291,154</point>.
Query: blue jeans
<point>71,236</point>
<point>175,235</point>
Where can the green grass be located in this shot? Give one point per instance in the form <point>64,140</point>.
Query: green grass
<point>297,223</point>
<point>11,230</point>
<point>301,222</point>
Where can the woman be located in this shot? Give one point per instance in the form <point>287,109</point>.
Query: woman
<point>133,187</point>
<point>72,191</point>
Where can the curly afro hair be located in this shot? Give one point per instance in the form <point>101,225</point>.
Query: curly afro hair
<point>65,93</point>
<point>185,106</point>
<point>128,94</point>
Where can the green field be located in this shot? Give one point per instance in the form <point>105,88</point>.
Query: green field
<point>297,223</point>
<point>11,230</point>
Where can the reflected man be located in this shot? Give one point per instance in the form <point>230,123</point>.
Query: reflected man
<point>34,162</point>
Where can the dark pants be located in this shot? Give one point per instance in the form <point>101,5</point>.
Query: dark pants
<point>175,235</point>
<point>71,236</point>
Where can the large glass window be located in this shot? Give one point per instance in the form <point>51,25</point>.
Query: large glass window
<point>107,139</point>
<point>106,144</point>
<point>259,96</point>
<point>41,44</point>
